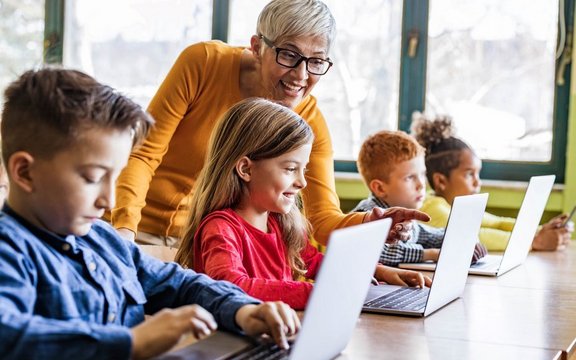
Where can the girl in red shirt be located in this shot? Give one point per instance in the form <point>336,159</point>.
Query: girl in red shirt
<point>246,225</point>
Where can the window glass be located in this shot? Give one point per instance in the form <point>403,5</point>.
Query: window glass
<point>131,44</point>
<point>491,67</point>
<point>242,23</point>
<point>21,38</point>
<point>359,95</point>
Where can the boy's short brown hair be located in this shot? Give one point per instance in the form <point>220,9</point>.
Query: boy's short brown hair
<point>47,110</point>
<point>381,151</point>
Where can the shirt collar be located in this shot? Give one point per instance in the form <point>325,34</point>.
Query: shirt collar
<point>378,202</point>
<point>60,242</point>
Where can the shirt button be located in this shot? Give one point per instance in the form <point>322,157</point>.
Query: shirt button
<point>66,247</point>
<point>92,266</point>
<point>111,317</point>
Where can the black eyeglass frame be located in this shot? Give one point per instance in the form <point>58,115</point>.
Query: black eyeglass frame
<point>271,45</point>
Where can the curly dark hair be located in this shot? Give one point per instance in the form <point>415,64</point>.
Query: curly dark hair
<point>443,149</point>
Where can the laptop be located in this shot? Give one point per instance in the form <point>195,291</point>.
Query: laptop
<point>453,262</point>
<point>521,237</point>
<point>332,310</point>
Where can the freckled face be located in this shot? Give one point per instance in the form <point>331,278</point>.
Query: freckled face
<point>406,185</point>
<point>290,86</point>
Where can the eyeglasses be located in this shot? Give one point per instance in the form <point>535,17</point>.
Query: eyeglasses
<point>291,59</point>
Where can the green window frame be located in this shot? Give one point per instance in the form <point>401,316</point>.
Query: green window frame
<point>412,82</point>
<point>413,96</point>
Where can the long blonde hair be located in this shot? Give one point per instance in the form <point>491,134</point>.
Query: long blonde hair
<point>258,129</point>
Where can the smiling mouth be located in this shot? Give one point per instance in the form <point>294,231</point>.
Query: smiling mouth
<point>290,87</point>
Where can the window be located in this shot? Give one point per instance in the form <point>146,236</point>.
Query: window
<point>243,21</point>
<point>131,44</point>
<point>491,67</point>
<point>360,95</point>
<point>497,66</point>
<point>21,37</point>
<point>480,61</point>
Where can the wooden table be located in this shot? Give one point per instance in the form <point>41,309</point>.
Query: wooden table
<point>487,321</point>
<point>376,337</point>
<point>527,313</point>
<point>541,270</point>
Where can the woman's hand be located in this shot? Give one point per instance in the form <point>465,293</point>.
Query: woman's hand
<point>401,221</point>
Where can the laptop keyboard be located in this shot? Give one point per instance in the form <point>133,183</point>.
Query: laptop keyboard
<point>265,351</point>
<point>408,298</point>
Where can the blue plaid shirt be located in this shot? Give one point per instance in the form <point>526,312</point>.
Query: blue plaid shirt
<point>76,297</point>
<point>412,250</point>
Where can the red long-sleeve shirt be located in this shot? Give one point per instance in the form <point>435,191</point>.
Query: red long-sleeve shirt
<point>226,247</point>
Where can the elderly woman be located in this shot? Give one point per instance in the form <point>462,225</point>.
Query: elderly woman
<point>287,57</point>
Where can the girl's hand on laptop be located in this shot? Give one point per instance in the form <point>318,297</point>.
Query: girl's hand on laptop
<point>479,252</point>
<point>396,276</point>
<point>164,329</point>
<point>276,319</point>
<point>401,221</point>
<point>553,235</point>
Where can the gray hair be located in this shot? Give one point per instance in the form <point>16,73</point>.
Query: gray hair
<point>284,19</point>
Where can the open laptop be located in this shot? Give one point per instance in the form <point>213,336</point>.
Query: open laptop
<point>520,241</point>
<point>453,262</point>
<point>332,310</point>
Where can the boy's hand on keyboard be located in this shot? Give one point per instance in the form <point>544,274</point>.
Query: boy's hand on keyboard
<point>164,329</point>
<point>479,252</point>
<point>431,255</point>
<point>396,276</point>
<point>276,319</point>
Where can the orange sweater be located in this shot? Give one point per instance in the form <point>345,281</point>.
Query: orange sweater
<point>153,191</point>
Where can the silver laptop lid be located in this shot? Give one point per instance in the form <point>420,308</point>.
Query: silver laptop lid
<point>341,285</point>
<point>457,250</point>
<point>527,222</point>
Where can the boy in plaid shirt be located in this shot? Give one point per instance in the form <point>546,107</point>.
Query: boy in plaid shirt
<point>392,166</point>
